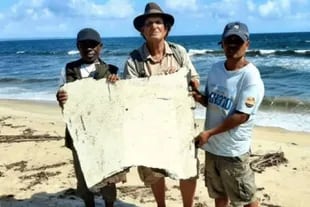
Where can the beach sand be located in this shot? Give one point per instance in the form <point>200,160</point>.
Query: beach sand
<point>36,169</point>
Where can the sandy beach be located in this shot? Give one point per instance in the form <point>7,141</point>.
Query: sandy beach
<point>36,169</point>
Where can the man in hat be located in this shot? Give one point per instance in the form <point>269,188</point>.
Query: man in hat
<point>233,94</point>
<point>89,65</point>
<point>158,57</point>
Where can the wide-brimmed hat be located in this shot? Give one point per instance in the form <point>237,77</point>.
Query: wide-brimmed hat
<point>152,9</point>
<point>236,28</point>
<point>88,34</point>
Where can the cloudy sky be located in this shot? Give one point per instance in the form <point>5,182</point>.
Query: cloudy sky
<point>113,18</point>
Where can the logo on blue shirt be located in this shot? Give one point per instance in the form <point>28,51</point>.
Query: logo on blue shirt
<point>220,100</point>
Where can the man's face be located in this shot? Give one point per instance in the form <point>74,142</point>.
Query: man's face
<point>234,47</point>
<point>89,50</point>
<point>154,29</point>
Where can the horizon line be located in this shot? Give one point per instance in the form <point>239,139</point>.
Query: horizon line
<point>105,37</point>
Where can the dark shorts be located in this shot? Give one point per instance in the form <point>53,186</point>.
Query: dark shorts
<point>230,177</point>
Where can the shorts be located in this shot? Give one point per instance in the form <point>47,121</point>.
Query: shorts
<point>230,177</point>
<point>151,175</point>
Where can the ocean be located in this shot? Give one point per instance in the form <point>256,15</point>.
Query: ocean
<point>30,70</point>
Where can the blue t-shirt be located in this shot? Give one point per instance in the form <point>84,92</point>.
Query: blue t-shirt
<point>227,92</point>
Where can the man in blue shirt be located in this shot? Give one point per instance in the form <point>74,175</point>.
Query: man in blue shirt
<point>233,94</point>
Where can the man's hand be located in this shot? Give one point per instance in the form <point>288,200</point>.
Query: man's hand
<point>202,138</point>
<point>196,95</point>
<point>194,88</point>
<point>112,78</point>
<point>194,91</point>
<point>171,70</point>
<point>194,84</point>
<point>62,97</point>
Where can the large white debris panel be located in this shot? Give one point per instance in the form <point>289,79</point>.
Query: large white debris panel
<point>145,121</point>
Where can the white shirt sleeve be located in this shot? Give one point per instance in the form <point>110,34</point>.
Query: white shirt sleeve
<point>188,63</point>
<point>252,93</point>
<point>62,79</point>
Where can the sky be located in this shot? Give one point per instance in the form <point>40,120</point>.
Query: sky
<point>24,19</point>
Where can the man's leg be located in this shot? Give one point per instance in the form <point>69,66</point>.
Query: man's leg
<point>187,188</point>
<point>221,202</point>
<point>155,178</point>
<point>158,190</point>
<point>239,181</point>
<point>109,204</point>
<point>109,194</point>
<point>82,190</point>
<point>213,180</point>
<point>253,204</point>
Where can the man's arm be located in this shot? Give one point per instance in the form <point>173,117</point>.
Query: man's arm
<point>197,95</point>
<point>229,123</point>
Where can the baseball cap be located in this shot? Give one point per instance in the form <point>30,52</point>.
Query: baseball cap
<point>236,28</point>
<point>88,34</point>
